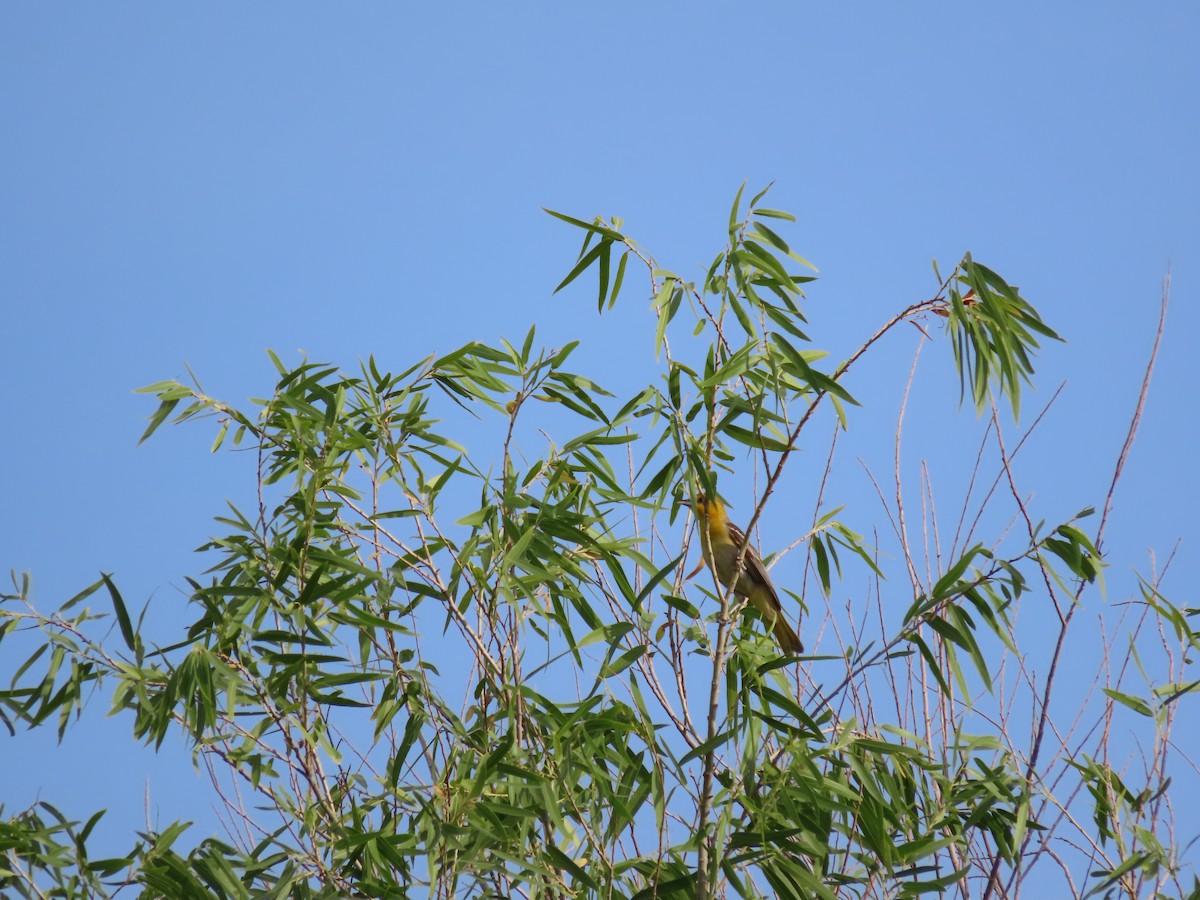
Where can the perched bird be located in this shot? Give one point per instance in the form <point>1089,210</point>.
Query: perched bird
<point>721,541</point>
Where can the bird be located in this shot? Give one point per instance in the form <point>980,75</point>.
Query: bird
<point>721,541</point>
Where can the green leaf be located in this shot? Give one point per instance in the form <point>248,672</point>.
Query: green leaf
<point>761,194</point>
<point>822,559</point>
<point>581,266</point>
<point>768,263</point>
<point>942,590</point>
<point>734,214</point>
<point>123,621</point>
<point>666,302</point>
<point>612,298</point>
<point>588,226</point>
<point>754,439</point>
<point>165,409</point>
<point>623,662</point>
<point>1172,691</point>
<point>1137,704</point>
<point>564,863</point>
<point>775,214</point>
<point>931,662</point>
<point>605,263</point>
<point>83,595</point>
<point>798,366</point>
<point>706,747</point>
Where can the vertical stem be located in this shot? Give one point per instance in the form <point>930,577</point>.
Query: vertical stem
<point>707,841</point>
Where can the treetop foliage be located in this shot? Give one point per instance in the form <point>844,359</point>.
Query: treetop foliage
<point>418,666</point>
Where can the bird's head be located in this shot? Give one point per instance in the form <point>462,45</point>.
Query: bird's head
<point>708,509</point>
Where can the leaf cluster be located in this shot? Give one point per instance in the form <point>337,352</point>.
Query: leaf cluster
<point>484,671</point>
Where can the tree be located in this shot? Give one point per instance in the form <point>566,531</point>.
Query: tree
<point>489,672</point>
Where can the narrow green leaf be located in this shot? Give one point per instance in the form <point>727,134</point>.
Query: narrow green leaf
<point>582,265</point>
<point>761,194</point>
<point>587,226</point>
<point>528,345</point>
<point>734,216</point>
<point>754,439</point>
<point>160,415</point>
<point>123,621</point>
<point>931,662</point>
<point>775,214</point>
<point>83,595</point>
<point>564,863</point>
<point>822,559</point>
<point>705,747</point>
<point>619,280</point>
<point>623,662</point>
<point>1137,704</point>
<point>605,263</point>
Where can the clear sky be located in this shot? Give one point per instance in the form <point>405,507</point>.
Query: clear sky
<point>191,184</point>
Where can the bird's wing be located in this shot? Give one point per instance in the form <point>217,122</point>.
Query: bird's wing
<point>754,565</point>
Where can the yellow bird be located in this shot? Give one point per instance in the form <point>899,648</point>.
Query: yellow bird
<point>721,541</point>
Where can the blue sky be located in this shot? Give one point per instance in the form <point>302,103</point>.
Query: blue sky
<point>191,185</point>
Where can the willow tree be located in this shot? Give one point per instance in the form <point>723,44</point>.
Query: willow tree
<point>459,644</point>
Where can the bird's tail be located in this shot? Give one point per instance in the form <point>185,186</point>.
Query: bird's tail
<point>788,640</point>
